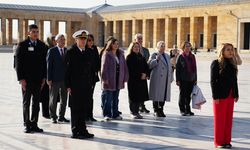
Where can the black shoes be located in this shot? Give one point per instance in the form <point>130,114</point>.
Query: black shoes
<point>227,146</point>
<point>27,129</point>
<point>46,116</point>
<point>190,114</point>
<point>36,129</point>
<point>32,129</point>
<point>183,114</point>
<point>224,146</point>
<point>63,120</point>
<point>54,121</point>
<point>159,113</point>
<point>187,113</point>
<point>93,119</point>
<point>144,110</point>
<point>83,135</point>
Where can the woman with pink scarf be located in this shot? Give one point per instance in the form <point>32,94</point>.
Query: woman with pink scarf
<point>186,78</point>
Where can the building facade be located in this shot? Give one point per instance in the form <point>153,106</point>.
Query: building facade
<point>205,23</point>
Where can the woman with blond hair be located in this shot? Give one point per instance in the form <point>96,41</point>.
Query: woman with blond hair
<point>137,83</point>
<point>224,92</point>
<point>186,78</point>
<point>161,77</point>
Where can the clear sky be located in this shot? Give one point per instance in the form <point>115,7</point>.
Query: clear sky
<point>77,3</point>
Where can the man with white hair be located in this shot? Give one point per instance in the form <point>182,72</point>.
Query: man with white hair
<point>55,79</point>
<point>145,53</point>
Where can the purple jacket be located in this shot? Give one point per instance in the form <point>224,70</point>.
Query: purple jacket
<point>108,71</point>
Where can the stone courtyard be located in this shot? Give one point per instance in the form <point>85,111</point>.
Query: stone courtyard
<point>173,132</point>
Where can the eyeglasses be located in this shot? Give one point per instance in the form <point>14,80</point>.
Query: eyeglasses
<point>90,40</point>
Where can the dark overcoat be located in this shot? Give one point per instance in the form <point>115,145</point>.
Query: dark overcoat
<point>137,88</point>
<point>78,76</point>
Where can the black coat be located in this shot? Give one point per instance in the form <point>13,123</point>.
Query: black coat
<point>96,62</point>
<point>78,76</point>
<point>222,83</point>
<point>182,73</point>
<point>137,88</point>
<point>31,61</point>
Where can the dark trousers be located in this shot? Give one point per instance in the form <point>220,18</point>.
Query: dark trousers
<point>142,105</point>
<point>134,107</point>
<point>34,90</point>
<point>186,88</point>
<point>78,124</point>
<point>45,100</point>
<point>90,105</point>
<point>158,106</point>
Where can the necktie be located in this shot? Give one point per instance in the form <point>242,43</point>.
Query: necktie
<point>165,58</point>
<point>34,43</point>
<point>62,52</point>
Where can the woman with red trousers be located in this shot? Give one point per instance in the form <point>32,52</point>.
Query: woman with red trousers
<point>225,92</point>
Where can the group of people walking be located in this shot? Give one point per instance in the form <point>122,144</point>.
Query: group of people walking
<point>74,72</point>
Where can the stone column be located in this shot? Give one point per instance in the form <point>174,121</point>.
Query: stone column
<point>135,28</point>
<point>3,31</point>
<point>145,33</point>
<point>20,30</point>
<point>106,34</point>
<point>125,34</point>
<point>156,31</point>
<point>40,25</point>
<point>68,34</point>
<point>25,28</point>
<point>54,27</point>
<point>9,31</point>
<point>167,32</point>
<point>207,32</point>
<point>193,32</point>
<point>115,29</point>
<point>179,31</point>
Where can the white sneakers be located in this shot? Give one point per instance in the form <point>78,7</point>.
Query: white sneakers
<point>109,119</point>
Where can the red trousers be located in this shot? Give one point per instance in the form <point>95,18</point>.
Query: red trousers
<point>223,119</point>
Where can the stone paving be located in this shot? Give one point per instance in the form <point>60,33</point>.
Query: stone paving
<point>173,132</point>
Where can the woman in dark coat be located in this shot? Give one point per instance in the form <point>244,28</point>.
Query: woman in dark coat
<point>186,78</point>
<point>97,65</point>
<point>137,83</point>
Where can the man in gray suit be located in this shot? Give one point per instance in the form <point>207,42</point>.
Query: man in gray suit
<point>55,79</point>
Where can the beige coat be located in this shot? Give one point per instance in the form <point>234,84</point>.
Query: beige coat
<point>161,77</point>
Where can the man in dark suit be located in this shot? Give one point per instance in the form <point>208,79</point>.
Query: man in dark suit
<point>31,74</point>
<point>55,79</point>
<point>78,80</point>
